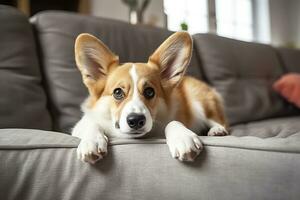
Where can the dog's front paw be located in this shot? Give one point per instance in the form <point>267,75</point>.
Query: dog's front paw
<point>217,131</point>
<point>185,148</point>
<point>184,144</point>
<point>92,150</point>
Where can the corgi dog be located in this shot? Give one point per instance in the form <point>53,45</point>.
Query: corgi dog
<point>132,100</point>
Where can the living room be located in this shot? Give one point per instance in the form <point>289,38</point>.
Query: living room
<point>243,54</point>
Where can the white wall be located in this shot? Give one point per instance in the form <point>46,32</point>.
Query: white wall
<point>116,9</point>
<point>285,22</point>
<point>113,9</point>
<point>155,13</point>
<point>295,22</point>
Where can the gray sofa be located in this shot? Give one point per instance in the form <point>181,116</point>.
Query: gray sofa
<point>40,94</point>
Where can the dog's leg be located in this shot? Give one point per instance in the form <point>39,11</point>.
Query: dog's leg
<point>93,144</point>
<point>216,120</point>
<point>216,129</point>
<point>183,143</point>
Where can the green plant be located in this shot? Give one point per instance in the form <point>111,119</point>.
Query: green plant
<point>184,26</point>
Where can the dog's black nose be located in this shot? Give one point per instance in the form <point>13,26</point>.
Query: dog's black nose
<point>136,121</point>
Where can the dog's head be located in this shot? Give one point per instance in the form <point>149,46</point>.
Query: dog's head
<point>129,95</point>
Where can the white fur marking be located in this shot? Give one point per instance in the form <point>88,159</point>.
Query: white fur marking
<point>200,119</point>
<point>182,142</point>
<point>93,144</point>
<point>135,105</point>
<point>134,78</point>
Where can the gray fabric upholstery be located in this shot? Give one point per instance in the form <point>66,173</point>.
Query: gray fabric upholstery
<point>259,161</point>
<point>243,73</point>
<point>290,59</point>
<point>22,100</point>
<point>277,127</point>
<point>57,32</point>
<point>45,167</point>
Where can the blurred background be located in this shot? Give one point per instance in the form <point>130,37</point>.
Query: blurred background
<point>275,22</point>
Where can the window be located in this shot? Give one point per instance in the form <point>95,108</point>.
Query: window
<point>240,19</point>
<point>191,12</point>
<point>234,19</point>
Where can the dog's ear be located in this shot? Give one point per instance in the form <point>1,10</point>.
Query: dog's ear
<point>172,57</point>
<point>93,58</point>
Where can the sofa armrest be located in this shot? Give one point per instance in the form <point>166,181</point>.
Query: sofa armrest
<point>42,165</point>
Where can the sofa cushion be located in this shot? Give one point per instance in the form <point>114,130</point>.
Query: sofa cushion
<point>57,32</point>
<point>276,127</point>
<point>229,168</point>
<point>290,59</point>
<point>23,100</point>
<point>243,73</point>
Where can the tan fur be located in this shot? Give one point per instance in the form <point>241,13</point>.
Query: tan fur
<point>157,58</point>
<point>180,89</point>
<point>188,90</point>
<point>121,78</point>
<point>196,90</point>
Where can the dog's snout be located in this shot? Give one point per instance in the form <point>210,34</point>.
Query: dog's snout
<point>136,121</point>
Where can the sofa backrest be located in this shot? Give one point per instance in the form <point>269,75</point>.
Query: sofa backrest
<point>243,73</point>
<point>290,59</point>
<point>57,32</point>
<point>22,98</point>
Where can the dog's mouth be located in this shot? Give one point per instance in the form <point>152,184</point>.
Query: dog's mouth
<point>133,132</point>
<point>136,132</point>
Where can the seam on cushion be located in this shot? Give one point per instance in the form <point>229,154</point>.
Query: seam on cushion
<point>72,147</point>
<point>33,147</point>
<point>225,146</point>
<point>48,146</point>
<point>40,146</point>
<point>256,149</point>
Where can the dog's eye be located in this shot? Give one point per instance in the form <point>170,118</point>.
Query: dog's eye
<point>149,93</point>
<point>118,94</point>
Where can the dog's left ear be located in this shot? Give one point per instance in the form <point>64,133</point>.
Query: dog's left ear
<point>172,57</point>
